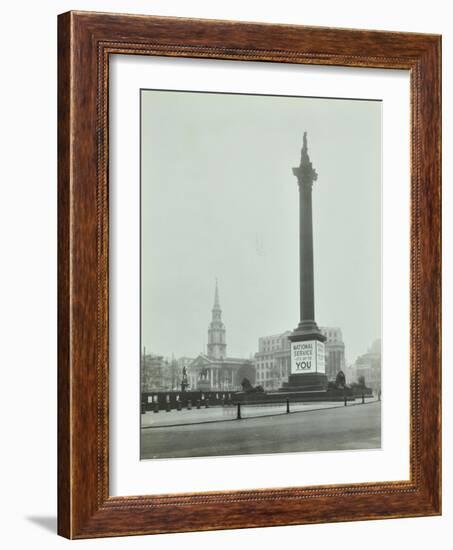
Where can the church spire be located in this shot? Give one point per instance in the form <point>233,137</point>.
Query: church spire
<point>216,330</point>
<point>216,295</point>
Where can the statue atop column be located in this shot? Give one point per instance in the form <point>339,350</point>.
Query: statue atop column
<point>305,173</point>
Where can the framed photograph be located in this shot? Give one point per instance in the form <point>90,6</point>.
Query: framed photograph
<point>249,275</point>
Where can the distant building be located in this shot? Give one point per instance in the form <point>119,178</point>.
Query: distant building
<point>173,375</point>
<point>214,370</point>
<point>161,374</point>
<point>184,362</point>
<point>272,362</point>
<point>368,365</point>
<point>154,373</point>
<point>351,373</point>
<point>334,348</point>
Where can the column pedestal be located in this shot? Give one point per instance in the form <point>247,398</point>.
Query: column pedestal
<point>307,365</point>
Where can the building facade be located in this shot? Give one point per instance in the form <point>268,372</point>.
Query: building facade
<point>368,366</point>
<point>335,351</point>
<point>350,373</point>
<point>215,370</point>
<point>162,374</point>
<point>154,372</point>
<point>272,362</point>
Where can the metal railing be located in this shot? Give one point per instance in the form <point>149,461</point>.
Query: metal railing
<point>243,410</point>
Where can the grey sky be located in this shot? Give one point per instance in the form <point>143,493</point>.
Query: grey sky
<point>219,200</point>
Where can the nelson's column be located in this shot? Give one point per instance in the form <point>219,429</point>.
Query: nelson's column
<point>307,342</point>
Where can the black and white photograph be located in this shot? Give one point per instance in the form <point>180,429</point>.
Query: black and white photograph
<point>260,274</point>
<point>227,275</point>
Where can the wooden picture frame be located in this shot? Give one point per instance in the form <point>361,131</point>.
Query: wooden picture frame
<point>85,42</point>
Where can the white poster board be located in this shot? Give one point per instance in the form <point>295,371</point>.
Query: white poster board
<point>307,357</point>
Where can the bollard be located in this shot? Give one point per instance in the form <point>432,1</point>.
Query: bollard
<point>198,404</point>
<point>363,398</point>
<point>287,406</point>
<point>206,404</point>
<point>156,407</point>
<point>239,412</point>
<point>189,405</point>
<point>345,401</point>
<point>178,405</point>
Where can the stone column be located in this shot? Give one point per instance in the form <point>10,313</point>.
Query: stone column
<point>307,341</point>
<point>306,175</point>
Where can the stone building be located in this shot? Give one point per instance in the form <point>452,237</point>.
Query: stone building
<point>351,373</point>
<point>154,373</point>
<point>184,362</point>
<point>161,374</point>
<point>368,365</point>
<point>215,370</point>
<point>334,350</point>
<point>272,361</point>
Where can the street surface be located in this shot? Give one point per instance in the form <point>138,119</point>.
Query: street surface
<point>340,428</point>
<point>218,413</point>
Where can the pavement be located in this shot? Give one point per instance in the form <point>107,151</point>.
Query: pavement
<point>326,429</point>
<point>218,413</point>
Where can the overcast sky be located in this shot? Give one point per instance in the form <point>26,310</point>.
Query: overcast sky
<point>219,200</point>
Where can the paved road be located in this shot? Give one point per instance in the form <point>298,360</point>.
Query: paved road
<point>356,427</point>
<point>214,414</point>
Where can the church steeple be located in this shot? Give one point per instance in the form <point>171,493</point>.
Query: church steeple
<point>216,330</point>
<point>216,295</point>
